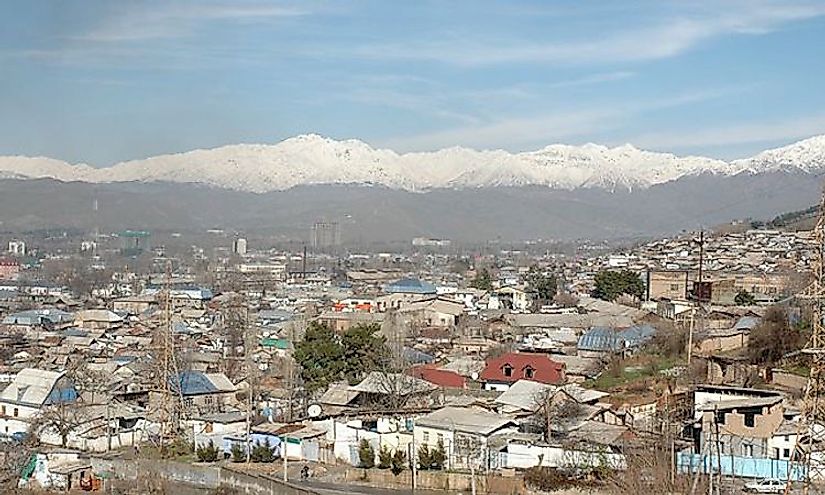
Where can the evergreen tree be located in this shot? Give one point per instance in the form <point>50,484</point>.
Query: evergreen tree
<point>208,452</point>
<point>384,458</point>
<point>238,453</point>
<point>483,280</point>
<point>424,457</point>
<point>399,461</point>
<point>438,456</point>
<point>366,454</point>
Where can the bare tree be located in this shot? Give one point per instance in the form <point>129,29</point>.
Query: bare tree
<point>61,418</point>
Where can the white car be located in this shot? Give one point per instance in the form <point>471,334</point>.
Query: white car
<point>768,485</point>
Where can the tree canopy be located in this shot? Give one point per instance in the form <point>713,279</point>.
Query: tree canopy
<point>326,357</point>
<point>611,284</point>
<point>483,280</point>
<point>774,337</point>
<point>543,285</point>
<point>744,298</point>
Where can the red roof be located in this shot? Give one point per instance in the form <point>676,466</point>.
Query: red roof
<point>515,366</point>
<point>442,378</point>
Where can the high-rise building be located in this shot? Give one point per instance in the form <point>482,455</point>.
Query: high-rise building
<point>325,235</point>
<point>17,248</point>
<point>239,246</point>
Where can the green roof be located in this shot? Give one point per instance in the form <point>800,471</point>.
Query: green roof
<point>133,233</point>
<point>276,343</point>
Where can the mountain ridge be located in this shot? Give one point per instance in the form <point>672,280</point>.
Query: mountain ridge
<point>311,159</point>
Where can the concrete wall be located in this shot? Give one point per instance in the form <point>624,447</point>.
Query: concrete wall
<point>437,480</point>
<point>195,476</point>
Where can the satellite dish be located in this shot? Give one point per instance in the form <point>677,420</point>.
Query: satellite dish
<point>474,376</point>
<point>314,411</point>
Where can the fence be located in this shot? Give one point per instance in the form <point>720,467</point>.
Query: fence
<point>741,467</point>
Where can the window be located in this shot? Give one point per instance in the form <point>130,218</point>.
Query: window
<point>786,453</point>
<point>508,370</point>
<point>529,372</point>
<point>720,417</point>
<point>426,437</point>
<point>16,412</point>
<point>3,411</point>
<point>440,438</point>
<point>747,450</point>
<point>787,438</point>
<point>750,419</point>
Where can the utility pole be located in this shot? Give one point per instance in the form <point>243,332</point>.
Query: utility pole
<point>697,295</point>
<point>808,440</point>
<point>249,401</point>
<point>283,454</point>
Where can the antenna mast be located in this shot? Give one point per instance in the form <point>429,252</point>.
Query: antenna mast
<point>810,449</point>
<point>170,386</point>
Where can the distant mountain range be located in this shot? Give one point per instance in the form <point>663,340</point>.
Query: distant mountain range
<point>559,192</point>
<point>314,160</point>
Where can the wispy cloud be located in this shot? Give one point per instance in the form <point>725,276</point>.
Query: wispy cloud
<point>175,19</point>
<point>551,126</point>
<point>661,39</point>
<point>734,134</point>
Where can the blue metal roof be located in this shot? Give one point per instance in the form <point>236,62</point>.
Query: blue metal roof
<point>410,286</point>
<point>415,356</point>
<point>747,323</point>
<point>605,339</point>
<point>194,383</point>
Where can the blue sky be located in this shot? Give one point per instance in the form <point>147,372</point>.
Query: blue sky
<point>100,82</point>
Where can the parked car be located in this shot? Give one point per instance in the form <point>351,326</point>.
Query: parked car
<point>767,485</point>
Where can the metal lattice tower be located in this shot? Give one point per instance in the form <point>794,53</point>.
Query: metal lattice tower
<point>167,373</point>
<point>811,447</point>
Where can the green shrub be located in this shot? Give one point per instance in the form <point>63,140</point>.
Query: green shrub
<point>238,453</point>
<point>384,458</point>
<point>208,452</point>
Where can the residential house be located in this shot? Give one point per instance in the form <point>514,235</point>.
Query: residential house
<point>97,319</point>
<point>30,392</point>
<point>206,392</point>
<point>134,305</point>
<point>503,371</point>
<point>464,432</point>
<point>434,312</point>
<point>438,376</point>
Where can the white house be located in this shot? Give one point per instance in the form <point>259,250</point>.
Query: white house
<point>464,433</point>
<point>30,391</point>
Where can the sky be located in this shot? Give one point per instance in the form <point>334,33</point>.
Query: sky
<point>102,82</point>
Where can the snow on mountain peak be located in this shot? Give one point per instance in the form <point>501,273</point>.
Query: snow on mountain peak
<point>314,159</point>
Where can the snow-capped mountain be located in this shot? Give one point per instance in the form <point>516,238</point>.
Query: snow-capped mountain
<point>312,159</point>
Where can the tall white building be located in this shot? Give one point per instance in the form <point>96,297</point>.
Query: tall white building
<point>239,246</point>
<point>17,248</point>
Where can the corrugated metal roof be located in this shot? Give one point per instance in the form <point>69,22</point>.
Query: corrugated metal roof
<point>410,286</point>
<point>37,387</point>
<point>197,383</point>
<point>605,339</point>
